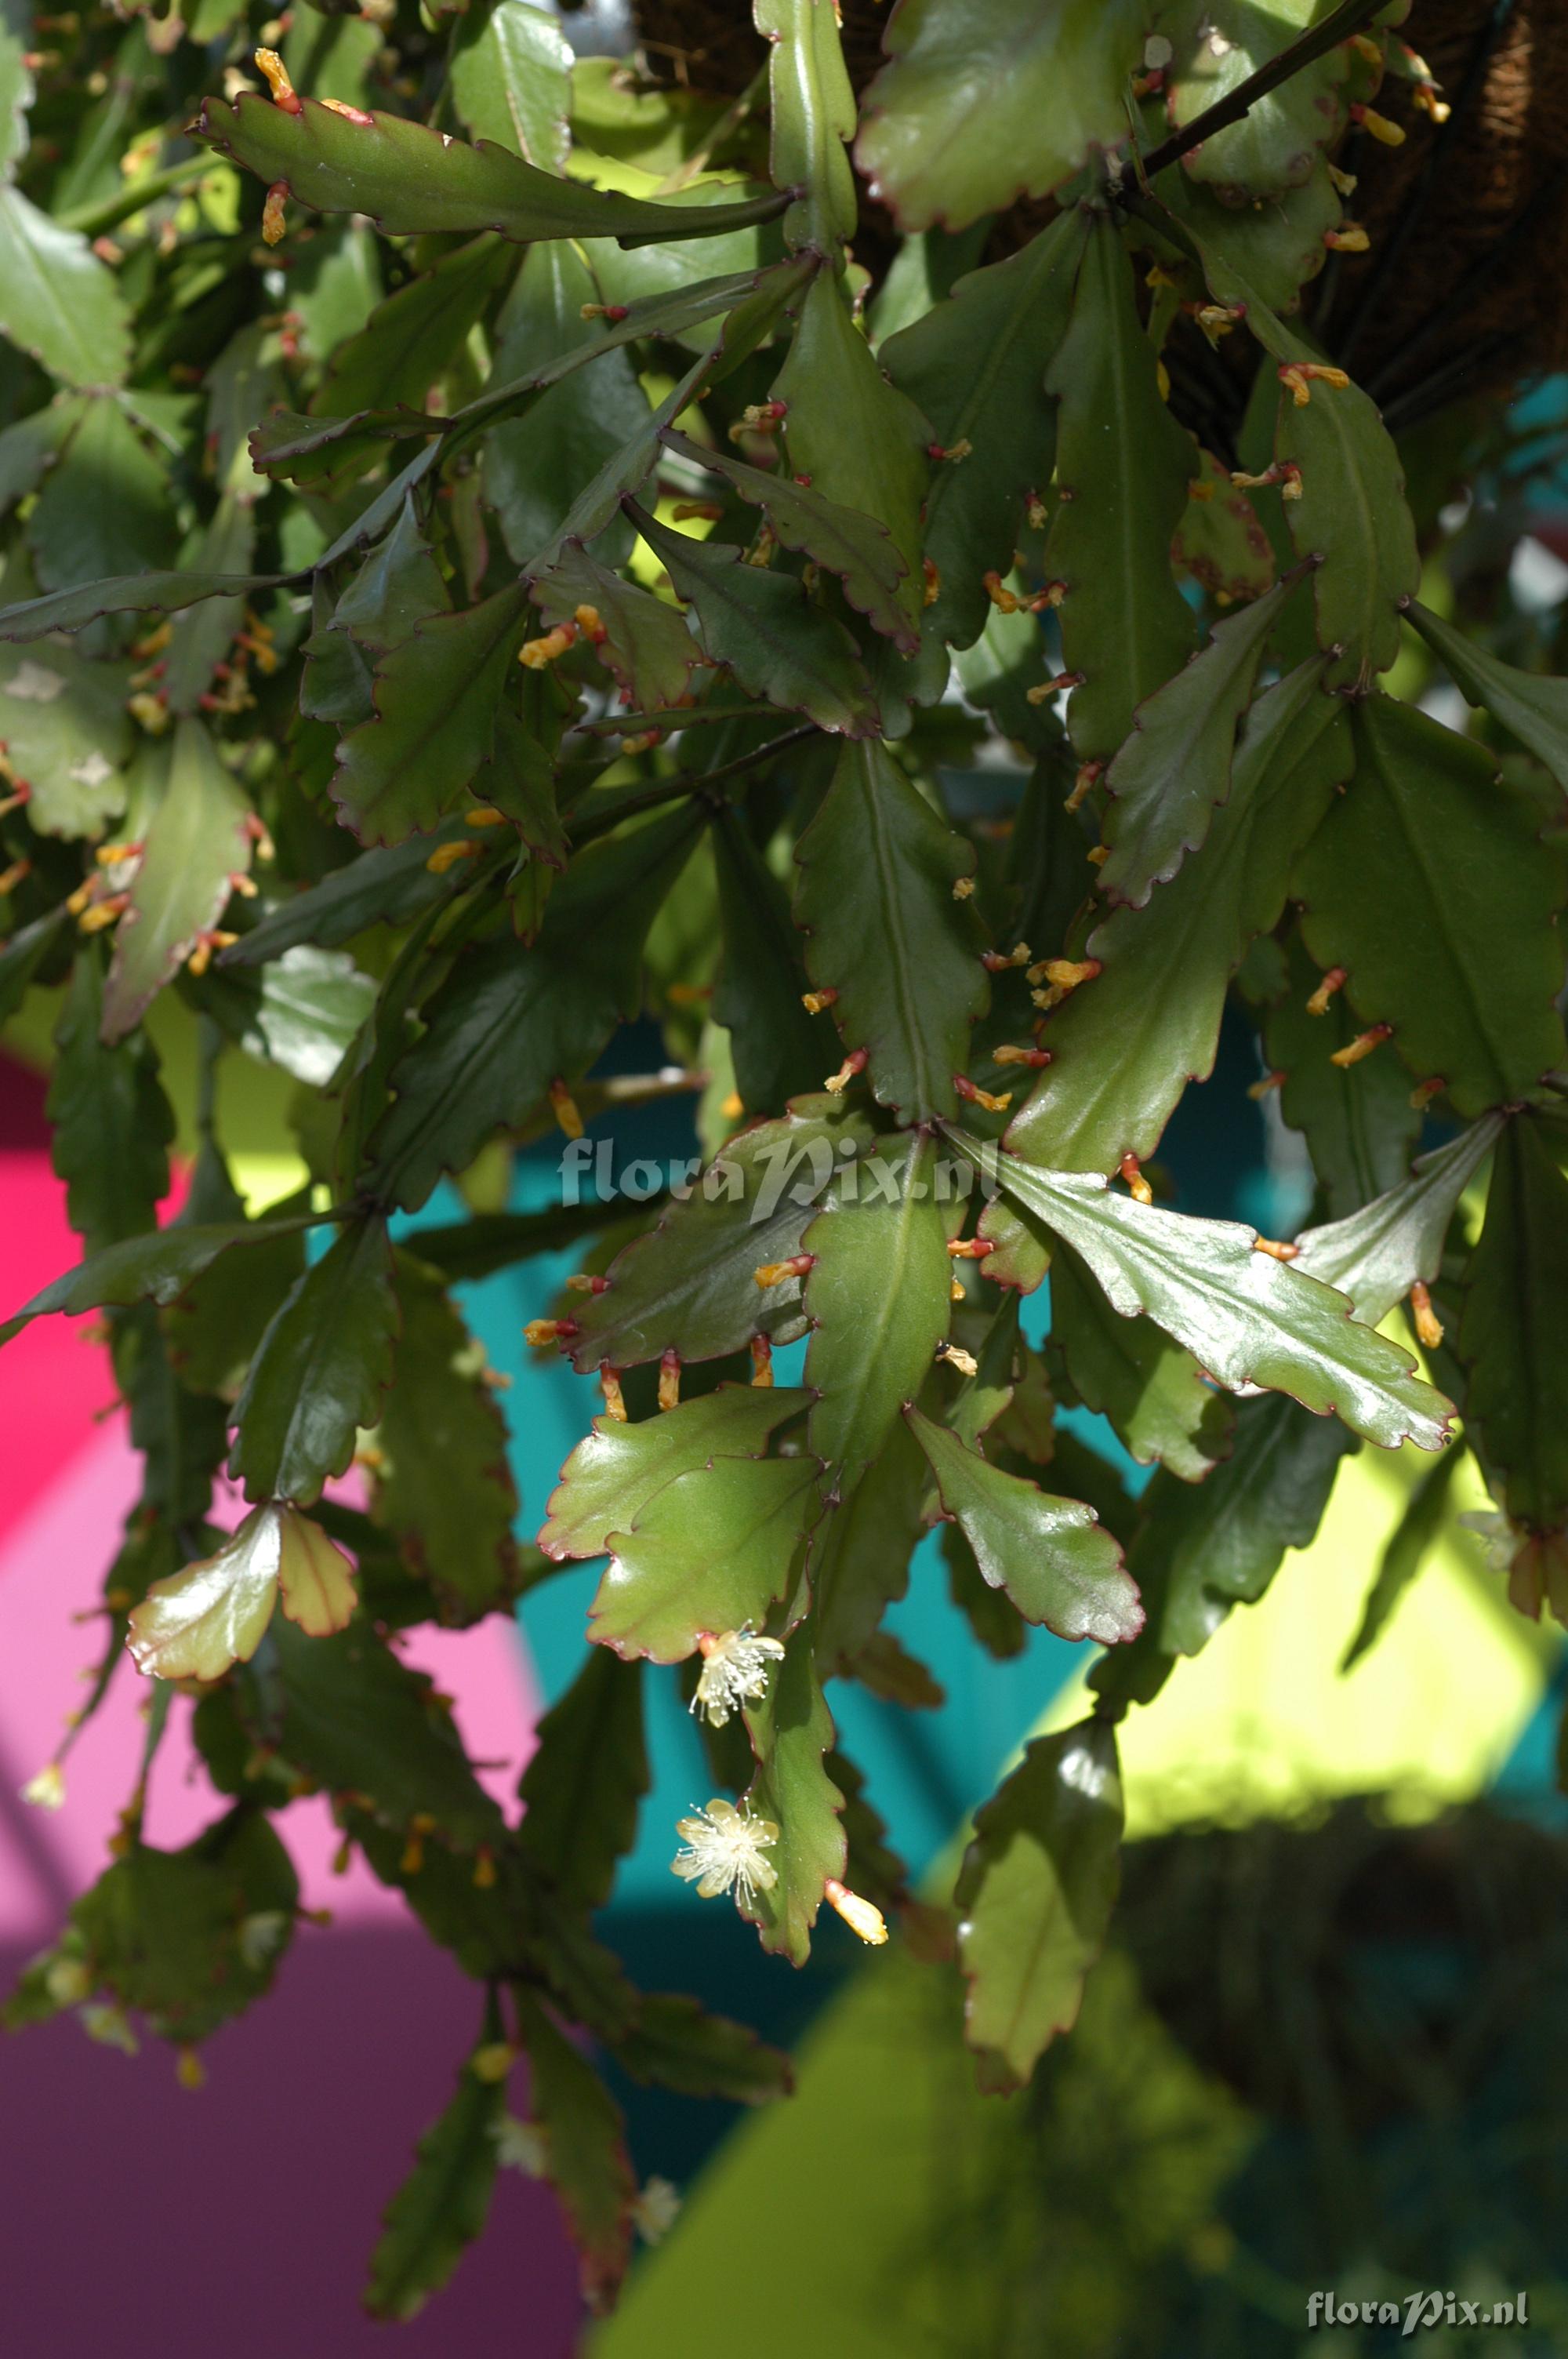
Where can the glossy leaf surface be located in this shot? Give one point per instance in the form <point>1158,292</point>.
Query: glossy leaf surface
<point>1050,1555</point>
<point>1246,1318</point>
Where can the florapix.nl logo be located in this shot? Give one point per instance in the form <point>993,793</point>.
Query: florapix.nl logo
<point>764,1175</point>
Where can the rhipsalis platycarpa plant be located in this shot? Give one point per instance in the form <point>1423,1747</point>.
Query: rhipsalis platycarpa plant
<point>900,576</point>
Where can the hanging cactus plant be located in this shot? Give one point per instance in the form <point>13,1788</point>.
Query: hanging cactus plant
<point>497,548</point>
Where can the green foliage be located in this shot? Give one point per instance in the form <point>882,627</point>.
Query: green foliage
<point>596,597</point>
<point>1036,1889</point>
<point>443,2205</point>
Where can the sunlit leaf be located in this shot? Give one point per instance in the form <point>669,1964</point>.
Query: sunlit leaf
<point>1035,1894</point>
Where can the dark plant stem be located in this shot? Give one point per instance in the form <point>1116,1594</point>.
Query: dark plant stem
<point>1350,17</point>
<point>689,782</point>
<point>93,221</point>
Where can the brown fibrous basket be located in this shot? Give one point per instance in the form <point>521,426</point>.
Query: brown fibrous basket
<point>1463,289</point>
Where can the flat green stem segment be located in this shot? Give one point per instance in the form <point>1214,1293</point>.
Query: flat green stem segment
<point>1122,470</point>
<point>876,895</point>
<point>1246,1318</point>
<point>1036,1893</point>
<point>414,182</point>
<point>1050,1556</point>
<point>1424,869</point>
<point>813,116</point>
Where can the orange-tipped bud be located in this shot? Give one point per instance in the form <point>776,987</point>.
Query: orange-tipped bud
<point>18,874</point>
<point>1301,375</point>
<point>1087,777</point>
<point>542,1332</point>
<point>1035,1058</point>
<point>1275,1252</point>
<point>201,958</point>
<point>853,1065</point>
<point>1386,134</point>
<point>1132,1172</point>
<point>759,417</point>
<point>933,590</point>
<point>669,1381</point>
<point>859,1915</point>
<point>566,1109</point>
<point>999,961</point>
<point>484,815</point>
<point>270,65</point>
<point>963,888</point>
<point>1270,1082</point>
<point>614,1399</point>
<point>582,1282</point>
<point>1361,1047</point>
<point>814,1001</point>
<point>536,654</point>
<point>590,623</point>
<point>1348,238</point>
<point>1000,597</point>
<point>1046,688</point>
<point>1421,1096</point>
<point>703,511</point>
<point>762,1361</point>
<point>447,855</point>
<point>970,1248</point>
<point>1065,975</point>
<point>778,1273</point>
<point>103,913</point>
<point>974,1095</point>
<point>1428,1325</point>
<point>274,227</point>
<point>1333,980</point>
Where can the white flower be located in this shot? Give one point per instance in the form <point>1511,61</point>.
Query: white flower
<point>261,1935</point>
<point>110,2026</point>
<point>521,2146</point>
<point>734,1671</point>
<point>46,1791</point>
<point>655,2211</point>
<point>724,1850</point>
<point>68,1981</point>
